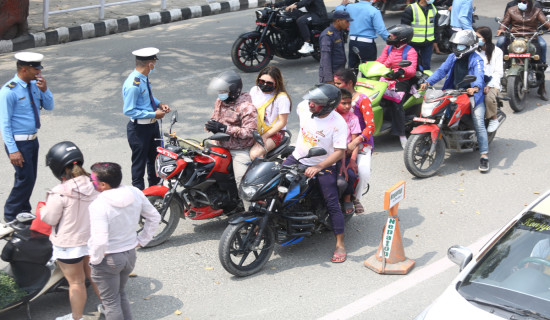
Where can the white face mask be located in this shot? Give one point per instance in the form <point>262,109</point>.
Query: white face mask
<point>522,6</point>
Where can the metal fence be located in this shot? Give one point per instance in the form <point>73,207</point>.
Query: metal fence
<point>101,6</point>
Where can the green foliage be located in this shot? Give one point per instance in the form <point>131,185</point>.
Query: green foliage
<point>9,290</point>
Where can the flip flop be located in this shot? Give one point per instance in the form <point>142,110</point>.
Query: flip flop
<point>347,206</point>
<point>358,207</point>
<point>338,258</point>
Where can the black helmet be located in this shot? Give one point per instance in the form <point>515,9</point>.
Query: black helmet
<point>326,95</point>
<point>228,81</point>
<point>463,42</point>
<point>62,155</point>
<point>399,35</point>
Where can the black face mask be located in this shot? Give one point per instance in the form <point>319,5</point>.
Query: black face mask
<point>266,88</point>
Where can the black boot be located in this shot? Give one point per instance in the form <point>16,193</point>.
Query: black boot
<point>542,92</point>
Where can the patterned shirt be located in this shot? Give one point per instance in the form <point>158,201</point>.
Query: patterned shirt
<point>240,118</point>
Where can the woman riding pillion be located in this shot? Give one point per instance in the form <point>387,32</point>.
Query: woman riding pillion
<point>321,126</point>
<point>273,106</point>
<point>67,211</point>
<point>466,61</point>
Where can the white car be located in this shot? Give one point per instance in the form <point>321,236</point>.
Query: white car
<point>510,276</point>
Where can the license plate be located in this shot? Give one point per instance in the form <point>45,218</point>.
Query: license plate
<point>425,120</point>
<point>263,24</point>
<point>519,55</point>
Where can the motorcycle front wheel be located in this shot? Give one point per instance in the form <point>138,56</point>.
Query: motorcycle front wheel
<point>417,158</point>
<point>235,250</point>
<point>169,220</point>
<point>249,55</point>
<point>514,89</point>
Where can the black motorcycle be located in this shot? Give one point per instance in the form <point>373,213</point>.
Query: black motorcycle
<point>286,208</point>
<point>444,31</point>
<point>276,34</point>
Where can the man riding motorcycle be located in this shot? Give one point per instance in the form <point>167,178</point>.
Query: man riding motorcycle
<point>525,17</point>
<point>465,60</point>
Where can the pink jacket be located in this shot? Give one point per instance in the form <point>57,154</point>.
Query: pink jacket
<point>66,211</point>
<point>396,56</point>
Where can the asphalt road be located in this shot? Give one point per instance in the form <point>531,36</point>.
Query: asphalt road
<point>183,279</point>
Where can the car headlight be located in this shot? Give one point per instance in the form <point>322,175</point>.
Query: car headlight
<point>249,191</point>
<point>518,46</point>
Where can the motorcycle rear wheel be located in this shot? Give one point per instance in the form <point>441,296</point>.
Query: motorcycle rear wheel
<point>514,89</point>
<point>416,155</point>
<point>247,56</point>
<point>168,221</point>
<point>235,252</point>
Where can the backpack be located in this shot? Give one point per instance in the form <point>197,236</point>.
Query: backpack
<point>404,57</point>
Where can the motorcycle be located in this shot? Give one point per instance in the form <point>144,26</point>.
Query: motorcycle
<point>447,124</point>
<point>199,181</point>
<point>368,82</point>
<point>276,34</point>
<point>522,67</point>
<point>444,31</point>
<point>285,208</point>
<point>31,271</point>
<point>391,5</point>
<point>545,6</point>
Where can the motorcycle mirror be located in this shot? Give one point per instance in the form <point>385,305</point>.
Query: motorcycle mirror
<point>219,137</point>
<point>469,78</point>
<point>258,138</point>
<point>316,152</point>
<point>418,74</point>
<point>355,50</point>
<point>174,118</point>
<point>497,19</point>
<point>404,63</point>
<point>25,217</point>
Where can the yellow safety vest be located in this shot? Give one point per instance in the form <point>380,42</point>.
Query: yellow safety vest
<point>261,126</point>
<point>424,27</point>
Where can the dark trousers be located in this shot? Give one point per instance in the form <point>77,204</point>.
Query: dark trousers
<point>142,141</point>
<point>111,275</point>
<point>302,23</point>
<point>367,51</point>
<point>397,116</point>
<point>329,189</point>
<point>425,53</point>
<point>25,178</point>
<point>352,177</point>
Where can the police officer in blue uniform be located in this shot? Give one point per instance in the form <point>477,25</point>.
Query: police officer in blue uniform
<point>331,42</point>
<point>21,100</point>
<point>144,110</point>
<point>367,24</point>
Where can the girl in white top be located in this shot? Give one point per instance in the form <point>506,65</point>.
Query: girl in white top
<point>492,62</point>
<point>273,105</point>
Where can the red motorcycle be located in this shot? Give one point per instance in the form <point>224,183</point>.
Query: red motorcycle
<point>447,125</point>
<point>197,182</point>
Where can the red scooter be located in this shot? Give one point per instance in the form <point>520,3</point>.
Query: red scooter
<point>197,182</point>
<point>447,124</point>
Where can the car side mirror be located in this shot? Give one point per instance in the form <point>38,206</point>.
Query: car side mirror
<point>460,255</point>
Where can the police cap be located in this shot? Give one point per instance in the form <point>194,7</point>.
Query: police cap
<point>146,53</point>
<point>29,59</point>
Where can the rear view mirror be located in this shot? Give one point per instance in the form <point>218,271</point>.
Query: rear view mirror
<point>25,217</point>
<point>460,255</point>
<point>404,63</point>
<point>258,138</point>
<point>469,78</point>
<point>316,152</point>
<point>174,118</point>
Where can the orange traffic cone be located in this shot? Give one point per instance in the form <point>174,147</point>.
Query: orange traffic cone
<point>390,256</point>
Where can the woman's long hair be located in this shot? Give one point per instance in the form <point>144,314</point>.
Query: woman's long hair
<point>487,34</point>
<point>275,73</point>
<point>74,170</point>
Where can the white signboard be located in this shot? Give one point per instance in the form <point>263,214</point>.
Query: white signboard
<point>397,195</point>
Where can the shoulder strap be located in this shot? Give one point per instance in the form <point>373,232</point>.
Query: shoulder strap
<point>390,49</point>
<point>405,52</point>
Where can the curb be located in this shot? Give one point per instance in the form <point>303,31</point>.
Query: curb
<point>112,26</point>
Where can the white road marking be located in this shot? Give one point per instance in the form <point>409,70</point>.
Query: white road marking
<point>397,287</point>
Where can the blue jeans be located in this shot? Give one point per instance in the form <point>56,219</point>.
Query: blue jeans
<point>478,117</point>
<point>502,43</point>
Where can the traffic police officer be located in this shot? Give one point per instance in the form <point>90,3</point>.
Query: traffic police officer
<point>367,23</point>
<point>144,110</point>
<point>422,16</point>
<point>21,99</point>
<point>331,42</point>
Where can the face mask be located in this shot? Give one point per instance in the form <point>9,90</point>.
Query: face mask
<point>266,88</point>
<point>522,6</point>
<point>152,69</point>
<point>430,1</point>
<point>460,47</point>
<point>223,96</point>
<point>480,43</point>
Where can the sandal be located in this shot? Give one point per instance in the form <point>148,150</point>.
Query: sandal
<point>349,208</point>
<point>338,258</point>
<point>358,207</point>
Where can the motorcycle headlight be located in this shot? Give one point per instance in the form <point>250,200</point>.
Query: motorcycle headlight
<point>428,108</point>
<point>164,166</point>
<point>259,14</point>
<point>518,46</point>
<point>249,191</point>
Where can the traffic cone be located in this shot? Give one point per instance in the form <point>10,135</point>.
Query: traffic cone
<point>390,257</point>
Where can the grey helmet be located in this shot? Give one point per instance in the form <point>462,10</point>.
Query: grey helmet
<point>326,95</point>
<point>463,42</point>
<point>228,81</point>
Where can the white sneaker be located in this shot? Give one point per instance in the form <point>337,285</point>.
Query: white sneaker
<point>67,317</point>
<point>306,48</point>
<point>493,125</point>
<point>100,309</point>
<point>403,140</point>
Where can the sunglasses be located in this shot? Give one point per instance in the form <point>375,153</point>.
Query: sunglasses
<point>269,83</point>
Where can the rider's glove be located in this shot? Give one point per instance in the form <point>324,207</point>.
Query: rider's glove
<point>399,73</point>
<point>215,126</point>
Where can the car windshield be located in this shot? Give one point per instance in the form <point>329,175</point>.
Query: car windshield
<point>515,273</point>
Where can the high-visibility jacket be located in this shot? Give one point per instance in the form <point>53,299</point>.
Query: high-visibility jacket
<point>424,27</point>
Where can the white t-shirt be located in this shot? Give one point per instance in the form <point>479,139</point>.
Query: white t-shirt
<point>541,249</point>
<point>281,105</point>
<point>328,133</point>
<point>494,69</point>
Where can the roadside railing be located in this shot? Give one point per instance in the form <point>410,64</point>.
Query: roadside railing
<point>101,7</point>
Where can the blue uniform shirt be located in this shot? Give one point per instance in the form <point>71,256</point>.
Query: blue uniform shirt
<point>333,53</point>
<point>367,20</point>
<point>462,13</point>
<point>16,114</point>
<point>137,104</point>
